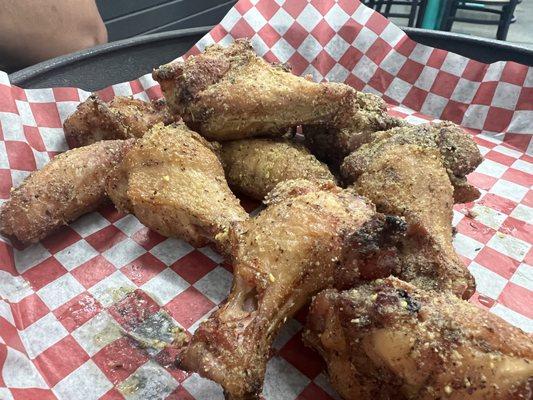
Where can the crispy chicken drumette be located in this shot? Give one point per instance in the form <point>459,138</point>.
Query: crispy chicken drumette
<point>70,185</point>
<point>121,118</point>
<point>173,182</point>
<point>281,258</point>
<point>335,139</point>
<point>389,340</point>
<point>255,166</point>
<point>405,172</point>
<point>231,93</point>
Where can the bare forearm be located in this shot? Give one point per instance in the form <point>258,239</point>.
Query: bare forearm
<point>32,31</point>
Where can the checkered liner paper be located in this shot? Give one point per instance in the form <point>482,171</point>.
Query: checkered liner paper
<point>75,307</point>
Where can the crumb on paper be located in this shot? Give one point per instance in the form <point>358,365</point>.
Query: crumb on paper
<point>471,213</point>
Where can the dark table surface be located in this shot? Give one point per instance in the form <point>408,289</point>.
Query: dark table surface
<point>124,60</point>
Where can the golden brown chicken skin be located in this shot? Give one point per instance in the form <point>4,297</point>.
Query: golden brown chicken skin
<point>389,340</point>
<point>335,139</point>
<point>458,152</point>
<point>255,166</point>
<point>70,185</point>
<point>280,258</point>
<point>408,175</point>
<point>173,182</point>
<point>231,93</point>
<point>121,118</point>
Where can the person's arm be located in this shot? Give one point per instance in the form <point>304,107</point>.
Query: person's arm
<point>32,31</point>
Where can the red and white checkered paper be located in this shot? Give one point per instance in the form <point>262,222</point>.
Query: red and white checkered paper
<point>72,305</point>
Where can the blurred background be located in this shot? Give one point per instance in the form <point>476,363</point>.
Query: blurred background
<point>126,18</point>
<point>494,19</point>
<point>30,34</point>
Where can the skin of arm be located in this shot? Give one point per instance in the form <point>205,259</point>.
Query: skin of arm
<point>32,31</point>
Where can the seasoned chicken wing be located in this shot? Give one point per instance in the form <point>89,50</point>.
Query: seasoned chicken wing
<point>231,93</point>
<point>255,166</point>
<point>281,258</point>
<point>70,185</point>
<point>335,139</point>
<point>405,172</point>
<point>458,152</point>
<point>391,341</point>
<point>121,118</point>
<point>173,182</point>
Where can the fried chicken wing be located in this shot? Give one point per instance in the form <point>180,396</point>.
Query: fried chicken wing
<point>173,182</point>
<point>335,139</point>
<point>281,258</point>
<point>405,172</point>
<point>389,340</point>
<point>231,93</point>
<point>121,118</point>
<point>458,152</point>
<point>255,166</point>
<point>69,186</point>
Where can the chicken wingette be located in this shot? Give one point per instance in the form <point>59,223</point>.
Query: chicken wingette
<point>231,93</point>
<point>458,152</point>
<point>121,118</point>
<point>70,185</point>
<point>389,340</point>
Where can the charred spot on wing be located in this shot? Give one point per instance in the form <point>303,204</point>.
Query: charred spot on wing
<point>178,363</point>
<point>371,252</point>
<point>412,306</point>
<point>379,232</point>
<point>395,225</point>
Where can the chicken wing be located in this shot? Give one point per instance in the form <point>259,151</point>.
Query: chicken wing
<point>281,258</point>
<point>121,118</point>
<point>404,172</point>
<point>70,185</point>
<point>255,166</point>
<point>458,152</point>
<point>332,141</point>
<point>389,340</point>
<point>173,182</point>
<point>231,93</point>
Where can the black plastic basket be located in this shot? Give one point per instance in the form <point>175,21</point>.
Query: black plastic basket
<point>128,59</point>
